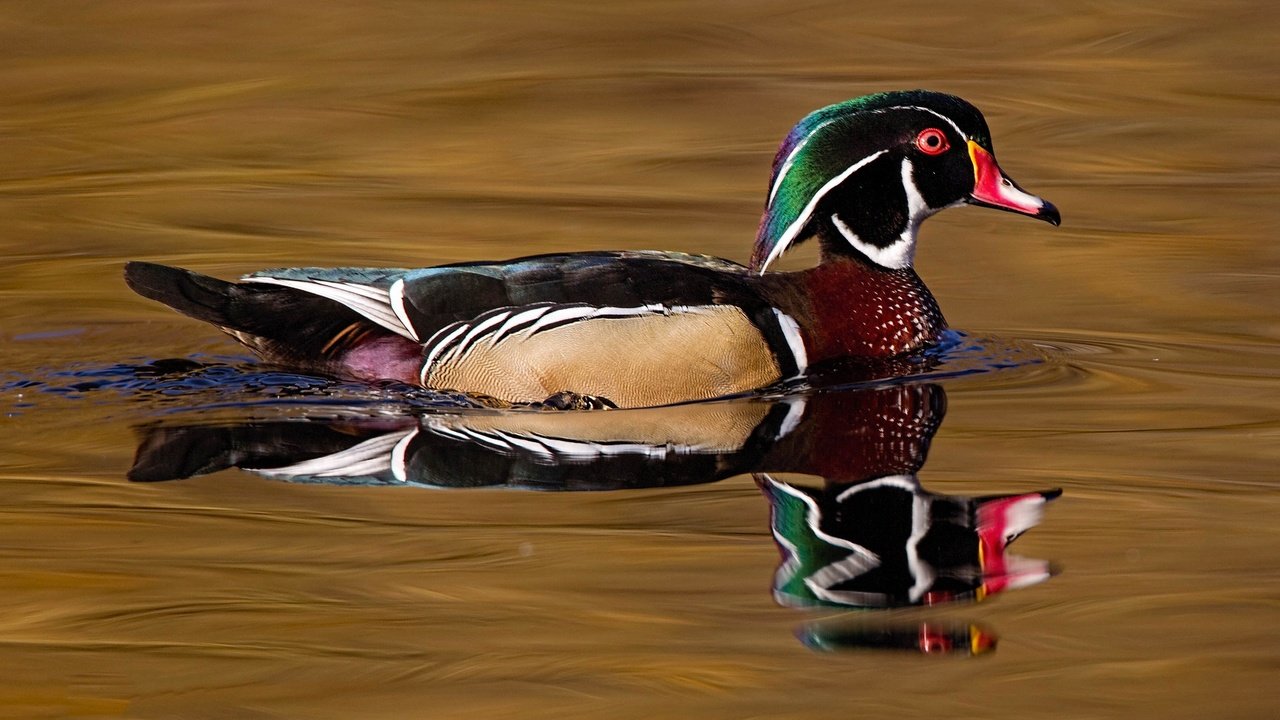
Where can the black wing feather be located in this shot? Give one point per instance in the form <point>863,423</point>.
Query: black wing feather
<point>436,297</point>
<point>282,324</point>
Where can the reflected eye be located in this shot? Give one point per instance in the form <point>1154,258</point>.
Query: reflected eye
<point>932,141</point>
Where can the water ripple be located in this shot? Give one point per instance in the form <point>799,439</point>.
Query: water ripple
<point>207,383</point>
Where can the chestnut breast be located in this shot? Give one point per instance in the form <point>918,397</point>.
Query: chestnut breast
<point>855,309</point>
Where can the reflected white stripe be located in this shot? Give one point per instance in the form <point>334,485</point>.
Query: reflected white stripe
<point>517,441</point>
<point>901,482</point>
<point>920,569</point>
<point>399,462</point>
<point>820,582</point>
<point>369,458</point>
<point>795,413</point>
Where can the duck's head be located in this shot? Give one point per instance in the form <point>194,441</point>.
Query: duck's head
<point>863,174</point>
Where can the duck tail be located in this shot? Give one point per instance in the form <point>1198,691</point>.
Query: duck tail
<point>284,325</point>
<point>192,294</point>
<point>256,316</point>
<point>280,324</point>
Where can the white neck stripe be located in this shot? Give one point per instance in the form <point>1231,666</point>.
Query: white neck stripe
<point>798,224</point>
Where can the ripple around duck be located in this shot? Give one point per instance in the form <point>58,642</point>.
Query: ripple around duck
<point>207,384</point>
<point>1037,364</point>
<point>1148,363</point>
<point>958,355</point>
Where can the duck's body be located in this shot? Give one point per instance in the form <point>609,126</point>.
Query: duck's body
<point>648,328</point>
<point>635,328</point>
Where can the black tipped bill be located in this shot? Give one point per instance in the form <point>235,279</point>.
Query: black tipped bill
<point>992,189</point>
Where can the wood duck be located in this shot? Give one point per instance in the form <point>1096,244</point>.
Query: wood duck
<point>632,329</point>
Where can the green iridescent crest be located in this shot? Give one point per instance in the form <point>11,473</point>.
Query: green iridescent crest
<point>832,143</point>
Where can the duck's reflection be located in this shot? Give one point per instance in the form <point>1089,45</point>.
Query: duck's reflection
<point>888,542</point>
<point>929,638</point>
<point>868,537</point>
<point>845,436</point>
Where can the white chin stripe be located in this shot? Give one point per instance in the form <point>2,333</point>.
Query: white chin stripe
<point>901,252</point>
<point>895,256</point>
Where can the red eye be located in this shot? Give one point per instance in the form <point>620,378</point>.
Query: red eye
<point>932,141</point>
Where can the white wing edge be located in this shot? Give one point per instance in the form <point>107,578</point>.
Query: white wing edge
<point>371,302</point>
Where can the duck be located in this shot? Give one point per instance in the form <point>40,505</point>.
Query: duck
<point>627,329</point>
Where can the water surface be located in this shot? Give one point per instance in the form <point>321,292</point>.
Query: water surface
<point>231,137</point>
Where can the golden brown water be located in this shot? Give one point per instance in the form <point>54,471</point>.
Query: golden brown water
<point>233,136</point>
